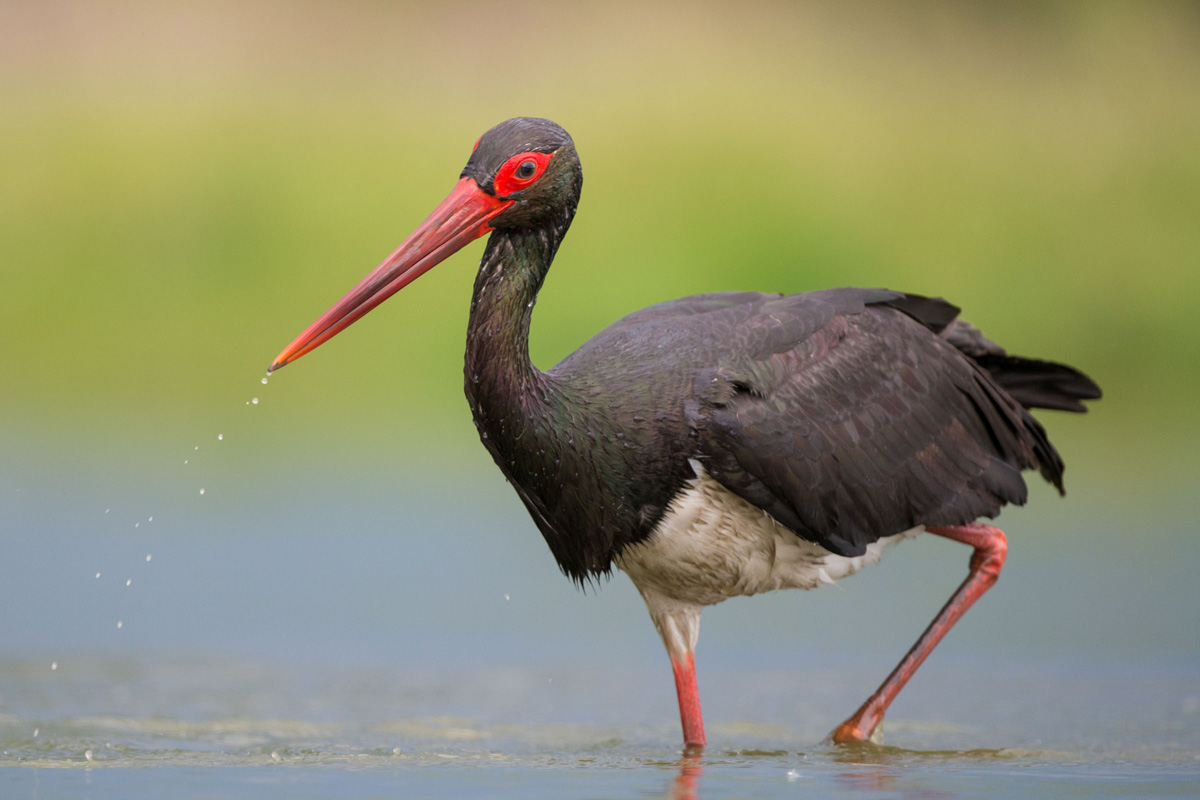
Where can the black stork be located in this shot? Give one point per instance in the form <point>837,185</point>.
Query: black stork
<point>733,443</point>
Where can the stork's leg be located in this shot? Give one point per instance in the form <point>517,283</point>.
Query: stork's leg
<point>990,548</point>
<point>689,701</point>
<point>679,625</point>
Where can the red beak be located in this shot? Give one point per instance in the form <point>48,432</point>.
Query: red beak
<point>461,218</point>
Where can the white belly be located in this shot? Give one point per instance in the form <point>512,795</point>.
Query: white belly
<point>712,545</point>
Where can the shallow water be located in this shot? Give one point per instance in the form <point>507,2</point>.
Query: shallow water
<point>199,728</point>
<point>370,635</point>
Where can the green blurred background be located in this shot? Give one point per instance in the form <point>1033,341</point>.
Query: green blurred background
<point>185,186</point>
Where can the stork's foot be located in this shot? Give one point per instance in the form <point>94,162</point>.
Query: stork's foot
<point>862,728</point>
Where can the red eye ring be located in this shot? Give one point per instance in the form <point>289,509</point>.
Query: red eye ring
<point>520,171</point>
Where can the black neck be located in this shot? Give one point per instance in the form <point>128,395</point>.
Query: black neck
<point>498,369</point>
<point>525,418</point>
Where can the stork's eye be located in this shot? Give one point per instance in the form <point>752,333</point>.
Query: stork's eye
<point>520,171</point>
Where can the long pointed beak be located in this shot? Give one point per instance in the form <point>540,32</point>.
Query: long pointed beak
<point>461,218</point>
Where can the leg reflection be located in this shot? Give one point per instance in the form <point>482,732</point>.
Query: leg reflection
<point>685,783</point>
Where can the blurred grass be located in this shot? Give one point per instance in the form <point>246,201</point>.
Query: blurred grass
<point>186,186</point>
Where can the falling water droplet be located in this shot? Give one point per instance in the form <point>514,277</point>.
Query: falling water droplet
<point>275,756</point>
<point>107,510</point>
<point>147,556</point>
<point>264,380</point>
<point>87,754</point>
<point>185,461</point>
<point>97,576</point>
<point>53,665</point>
<point>220,436</point>
<point>506,596</point>
<point>129,582</point>
<point>137,524</point>
<point>35,732</point>
<point>254,400</point>
<point>120,624</point>
<point>150,520</point>
<point>201,491</point>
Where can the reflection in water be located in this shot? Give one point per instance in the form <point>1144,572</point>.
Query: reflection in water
<point>884,780</point>
<point>867,768</point>
<point>691,767</point>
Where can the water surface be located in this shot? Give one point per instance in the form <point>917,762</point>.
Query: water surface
<point>307,633</point>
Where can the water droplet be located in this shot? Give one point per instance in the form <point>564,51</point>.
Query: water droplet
<point>220,436</point>
<point>53,665</point>
<point>201,491</point>
<point>35,732</point>
<point>254,400</point>
<point>396,751</point>
<point>129,582</point>
<point>137,524</point>
<point>264,380</point>
<point>275,756</point>
<point>197,447</point>
<point>120,624</point>
<point>97,576</point>
<point>107,510</point>
<point>147,556</point>
<point>185,461</point>
<point>506,596</point>
<point>87,754</point>
<point>150,520</point>
<point>793,775</point>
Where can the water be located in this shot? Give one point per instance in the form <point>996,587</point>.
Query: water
<point>304,631</point>
<point>198,727</point>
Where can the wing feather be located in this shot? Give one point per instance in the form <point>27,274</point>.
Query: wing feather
<point>869,426</point>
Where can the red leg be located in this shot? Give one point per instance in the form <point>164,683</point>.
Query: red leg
<point>689,702</point>
<point>991,546</point>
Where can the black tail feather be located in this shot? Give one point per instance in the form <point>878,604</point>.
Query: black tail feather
<point>1041,384</point>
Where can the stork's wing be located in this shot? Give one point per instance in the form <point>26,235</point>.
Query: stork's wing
<point>868,425</point>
